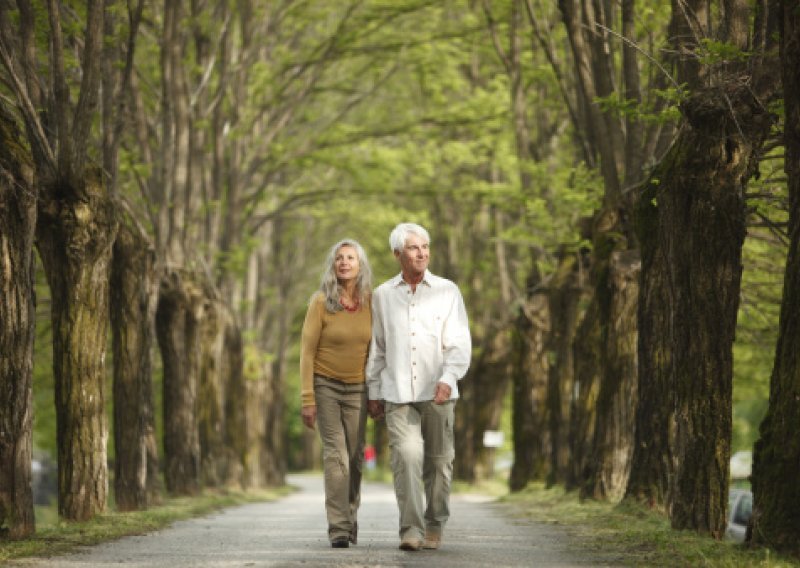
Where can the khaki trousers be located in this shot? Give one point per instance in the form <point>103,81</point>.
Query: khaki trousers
<point>421,440</point>
<point>341,417</point>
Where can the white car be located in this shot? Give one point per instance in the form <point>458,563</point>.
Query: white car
<point>740,507</point>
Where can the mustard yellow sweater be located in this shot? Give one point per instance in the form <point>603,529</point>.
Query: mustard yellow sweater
<point>333,345</point>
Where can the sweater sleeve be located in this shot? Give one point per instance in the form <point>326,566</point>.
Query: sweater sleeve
<point>312,327</point>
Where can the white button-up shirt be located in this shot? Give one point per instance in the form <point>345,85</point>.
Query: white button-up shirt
<point>418,339</point>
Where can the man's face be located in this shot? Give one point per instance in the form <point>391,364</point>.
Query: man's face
<point>415,255</point>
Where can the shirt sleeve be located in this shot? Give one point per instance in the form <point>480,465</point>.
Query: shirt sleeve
<point>312,327</point>
<point>376,361</point>
<point>456,342</point>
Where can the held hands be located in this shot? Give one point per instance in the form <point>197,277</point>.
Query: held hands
<point>442,393</point>
<point>375,409</point>
<point>309,415</point>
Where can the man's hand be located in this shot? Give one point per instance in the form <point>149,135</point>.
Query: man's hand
<point>442,393</point>
<point>375,409</point>
<point>309,415</point>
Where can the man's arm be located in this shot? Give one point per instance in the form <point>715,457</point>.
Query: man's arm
<point>456,347</point>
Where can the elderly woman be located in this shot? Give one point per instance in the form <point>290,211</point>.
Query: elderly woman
<point>334,348</point>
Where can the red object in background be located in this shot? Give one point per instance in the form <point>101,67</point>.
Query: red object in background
<point>369,455</point>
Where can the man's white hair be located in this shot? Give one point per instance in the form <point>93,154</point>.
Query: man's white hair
<point>397,240</point>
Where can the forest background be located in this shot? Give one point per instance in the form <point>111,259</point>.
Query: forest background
<point>606,182</point>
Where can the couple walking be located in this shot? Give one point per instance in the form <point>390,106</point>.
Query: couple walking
<point>396,354</point>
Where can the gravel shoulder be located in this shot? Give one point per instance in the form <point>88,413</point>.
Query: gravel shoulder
<point>291,532</point>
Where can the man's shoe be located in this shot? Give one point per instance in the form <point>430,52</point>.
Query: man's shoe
<point>411,544</point>
<point>340,542</point>
<point>432,541</point>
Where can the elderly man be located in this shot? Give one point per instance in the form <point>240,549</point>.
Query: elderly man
<point>420,348</point>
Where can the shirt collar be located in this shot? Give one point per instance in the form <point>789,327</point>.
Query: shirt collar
<point>398,280</point>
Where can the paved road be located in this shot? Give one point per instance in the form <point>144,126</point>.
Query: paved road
<point>291,532</point>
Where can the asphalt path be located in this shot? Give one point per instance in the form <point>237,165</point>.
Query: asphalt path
<point>291,532</point>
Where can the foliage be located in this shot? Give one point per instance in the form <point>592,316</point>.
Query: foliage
<point>764,256</point>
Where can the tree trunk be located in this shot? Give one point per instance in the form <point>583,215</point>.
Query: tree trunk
<point>700,229</point>
<point>616,403</point>
<point>177,321</point>
<point>272,457</point>
<point>134,293</point>
<point>235,431</point>
<point>211,394</point>
<point>564,291</point>
<point>17,327</point>
<point>464,429</point>
<point>531,366</point>
<point>75,235</point>
<point>255,371</point>
<point>651,462</point>
<point>776,493</point>
<point>583,411</point>
<point>485,388</point>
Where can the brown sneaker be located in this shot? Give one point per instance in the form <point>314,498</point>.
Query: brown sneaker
<point>432,541</point>
<point>411,544</point>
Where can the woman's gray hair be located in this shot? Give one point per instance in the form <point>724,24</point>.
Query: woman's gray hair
<point>397,240</point>
<point>329,286</point>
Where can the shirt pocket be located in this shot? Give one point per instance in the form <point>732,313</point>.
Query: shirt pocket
<point>433,324</point>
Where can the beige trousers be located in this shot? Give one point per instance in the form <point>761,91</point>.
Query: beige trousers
<point>341,417</point>
<point>421,440</point>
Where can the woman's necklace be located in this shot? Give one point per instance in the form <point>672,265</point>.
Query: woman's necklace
<point>350,309</point>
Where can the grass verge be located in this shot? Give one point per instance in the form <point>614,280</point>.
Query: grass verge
<point>54,536</point>
<point>630,535</point>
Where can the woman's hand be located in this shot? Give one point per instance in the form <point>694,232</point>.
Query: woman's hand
<point>309,414</point>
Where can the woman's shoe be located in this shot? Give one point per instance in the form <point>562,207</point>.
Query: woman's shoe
<point>340,542</point>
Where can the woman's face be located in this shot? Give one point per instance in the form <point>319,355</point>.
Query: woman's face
<point>346,263</point>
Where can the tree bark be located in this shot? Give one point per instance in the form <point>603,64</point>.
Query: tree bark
<point>593,80</point>
<point>587,358</point>
<point>178,317</point>
<point>776,494</point>
<point>211,393</point>
<point>485,387</point>
<point>134,294</point>
<point>255,373</point>
<point>235,430</point>
<point>530,371</point>
<point>75,234</point>
<point>616,403</point>
<point>564,292</point>
<point>695,253</point>
<point>273,457</point>
<point>17,328</point>
<point>652,462</point>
